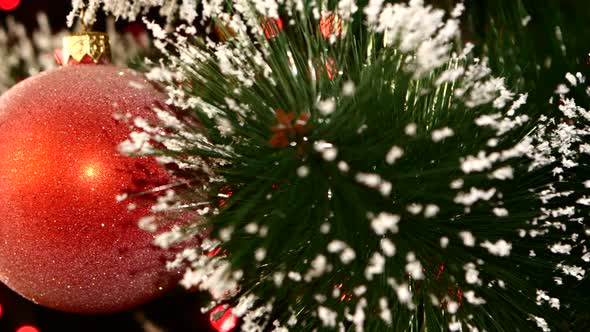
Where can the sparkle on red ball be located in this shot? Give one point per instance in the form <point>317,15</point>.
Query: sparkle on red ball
<point>271,26</point>
<point>226,322</point>
<point>27,328</point>
<point>9,4</point>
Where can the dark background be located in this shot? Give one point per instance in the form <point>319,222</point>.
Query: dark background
<point>176,311</point>
<point>26,11</point>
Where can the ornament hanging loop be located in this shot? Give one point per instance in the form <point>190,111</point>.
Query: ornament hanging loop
<point>84,47</point>
<point>82,24</point>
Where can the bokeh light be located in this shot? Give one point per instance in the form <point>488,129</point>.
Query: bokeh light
<point>224,323</point>
<point>9,4</point>
<point>27,328</point>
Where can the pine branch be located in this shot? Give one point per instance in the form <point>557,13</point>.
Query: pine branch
<point>377,180</point>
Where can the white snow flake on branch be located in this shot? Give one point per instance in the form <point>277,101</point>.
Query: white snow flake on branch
<point>476,91</point>
<point>318,267</point>
<point>375,266</point>
<point>471,274</point>
<point>327,106</point>
<point>559,248</point>
<point>387,247</point>
<point>474,195</point>
<point>329,151</point>
<point>543,297</point>
<point>384,312</point>
<point>414,268</point>
<point>500,248</point>
<point>347,254</point>
<point>327,316</point>
<point>468,238</point>
<point>500,211</point>
<point>479,163</point>
<point>503,173</point>
<point>572,270</point>
<point>414,29</point>
<point>471,298</point>
<point>440,134</point>
<point>541,323</point>
<point>373,180</point>
<point>384,222</point>
<point>394,154</point>
<point>346,8</point>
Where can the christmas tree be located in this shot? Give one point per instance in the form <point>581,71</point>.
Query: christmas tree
<point>371,165</point>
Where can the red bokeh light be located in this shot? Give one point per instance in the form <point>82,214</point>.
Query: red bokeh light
<point>9,4</point>
<point>226,323</point>
<point>27,328</point>
<point>0,310</point>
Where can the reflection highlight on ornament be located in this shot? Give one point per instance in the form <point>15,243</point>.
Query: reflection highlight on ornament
<point>90,172</point>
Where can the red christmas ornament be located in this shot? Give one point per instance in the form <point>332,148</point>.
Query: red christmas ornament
<point>289,129</point>
<point>223,30</point>
<point>65,242</point>
<point>271,26</point>
<point>222,319</point>
<point>27,328</point>
<point>9,4</point>
<point>326,66</point>
<point>330,24</point>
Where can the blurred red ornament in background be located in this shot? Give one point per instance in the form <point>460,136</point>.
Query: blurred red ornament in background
<point>9,4</point>
<point>27,328</point>
<point>65,242</point>
<point>139,33</point>
<point>222,30</point>
<point>271,26</point>
<point>330,24</point>
<point>136,29</point>
<point>222,319</point>
<point>290,128</point>
<point>326,66</point>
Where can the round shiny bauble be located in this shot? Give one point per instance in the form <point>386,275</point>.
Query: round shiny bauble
<point>65,241</point>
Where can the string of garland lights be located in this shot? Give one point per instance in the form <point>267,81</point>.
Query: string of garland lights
<point>321,165</point>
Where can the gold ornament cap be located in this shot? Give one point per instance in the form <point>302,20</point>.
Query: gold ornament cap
<point>86,47</point>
